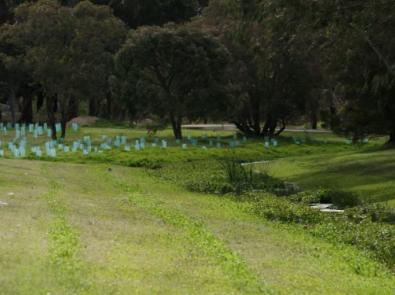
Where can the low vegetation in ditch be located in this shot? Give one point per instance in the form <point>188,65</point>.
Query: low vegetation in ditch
<point>363,225</point>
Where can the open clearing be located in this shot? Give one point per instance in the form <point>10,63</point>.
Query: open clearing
<point>87,229</point>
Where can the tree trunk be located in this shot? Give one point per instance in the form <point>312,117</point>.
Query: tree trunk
<point>107,113</point>
<point>176,124</point>
<point>64,126</point>
<point>65,115</point>
<point>93,110</point>
<point>282,128</point>
<point>244,127</point>
<point>272,129</point>
<point>51,108</point>
<point>73,108</point>
<point>314,121</point>
<point>11,103</point>
<point>40,100</point>
<point>392,136</point>
<point>256,118</point>
<point>266,127</point>
<point>27,109</point>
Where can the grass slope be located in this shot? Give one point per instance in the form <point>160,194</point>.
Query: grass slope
<point>85,229</point>
<point>367,172</point>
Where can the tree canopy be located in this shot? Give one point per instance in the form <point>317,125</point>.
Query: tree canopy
<point>173,72</point>
<point>61,47</point>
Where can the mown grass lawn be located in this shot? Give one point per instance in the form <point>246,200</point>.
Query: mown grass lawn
<point>107,224</point>
<point>85,229</point>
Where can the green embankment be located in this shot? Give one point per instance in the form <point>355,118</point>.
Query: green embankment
<point>87,229</point>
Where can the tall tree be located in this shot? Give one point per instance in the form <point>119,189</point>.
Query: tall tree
<point>358,60</point>
<point>14,70</point>
<point>69,50</point>
<point>173,72</point>
<point>271,73</point>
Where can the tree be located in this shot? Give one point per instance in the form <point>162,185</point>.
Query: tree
<point>172,72</point>
<point>100,35</point>
<point>271,72</point>
<point>69,51</point>
<point>13,68</point>
<point>356,48</point>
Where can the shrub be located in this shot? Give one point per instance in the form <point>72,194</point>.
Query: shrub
<point>210,186</point>
<point>308,197</point>
<point>340,199</point>
<point>243,179</point>
<point>276,209</point>
<point>372,212</point>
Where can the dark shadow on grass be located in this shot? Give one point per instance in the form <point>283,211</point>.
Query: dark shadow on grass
<point>380,170</point>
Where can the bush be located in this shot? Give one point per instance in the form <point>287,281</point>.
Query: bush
<point>340,199</point>
<point>308,197</point>
<point>210,186</point>
<point>276,209</point>
<point>372,212</point>
<point>243,179</point>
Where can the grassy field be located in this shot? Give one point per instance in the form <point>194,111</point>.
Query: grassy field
<point>84,229</point>
<point>107,224</point>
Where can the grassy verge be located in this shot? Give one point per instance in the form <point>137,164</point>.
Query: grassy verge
<point>232,264</point>
<point>64,243</point>
<point>137,233</point>
<point>284,255</point>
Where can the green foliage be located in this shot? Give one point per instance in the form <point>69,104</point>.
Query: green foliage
<point>222,174</point>
<point>173,72</point>
<point>62,46</point>
<point>358,50</point>
<point>279,209</point>
<point>339,198</point>
<point>271,80</point>
<point>372,212</point>
<point>355,227</point>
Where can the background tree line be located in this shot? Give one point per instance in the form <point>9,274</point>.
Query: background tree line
<point>261,64</point>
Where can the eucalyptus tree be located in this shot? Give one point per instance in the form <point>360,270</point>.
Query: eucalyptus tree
<point>360,55</point>
<point>68,50</point>
<point>271,71</point>
<point>14,70</point>
<point>173,72</point>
